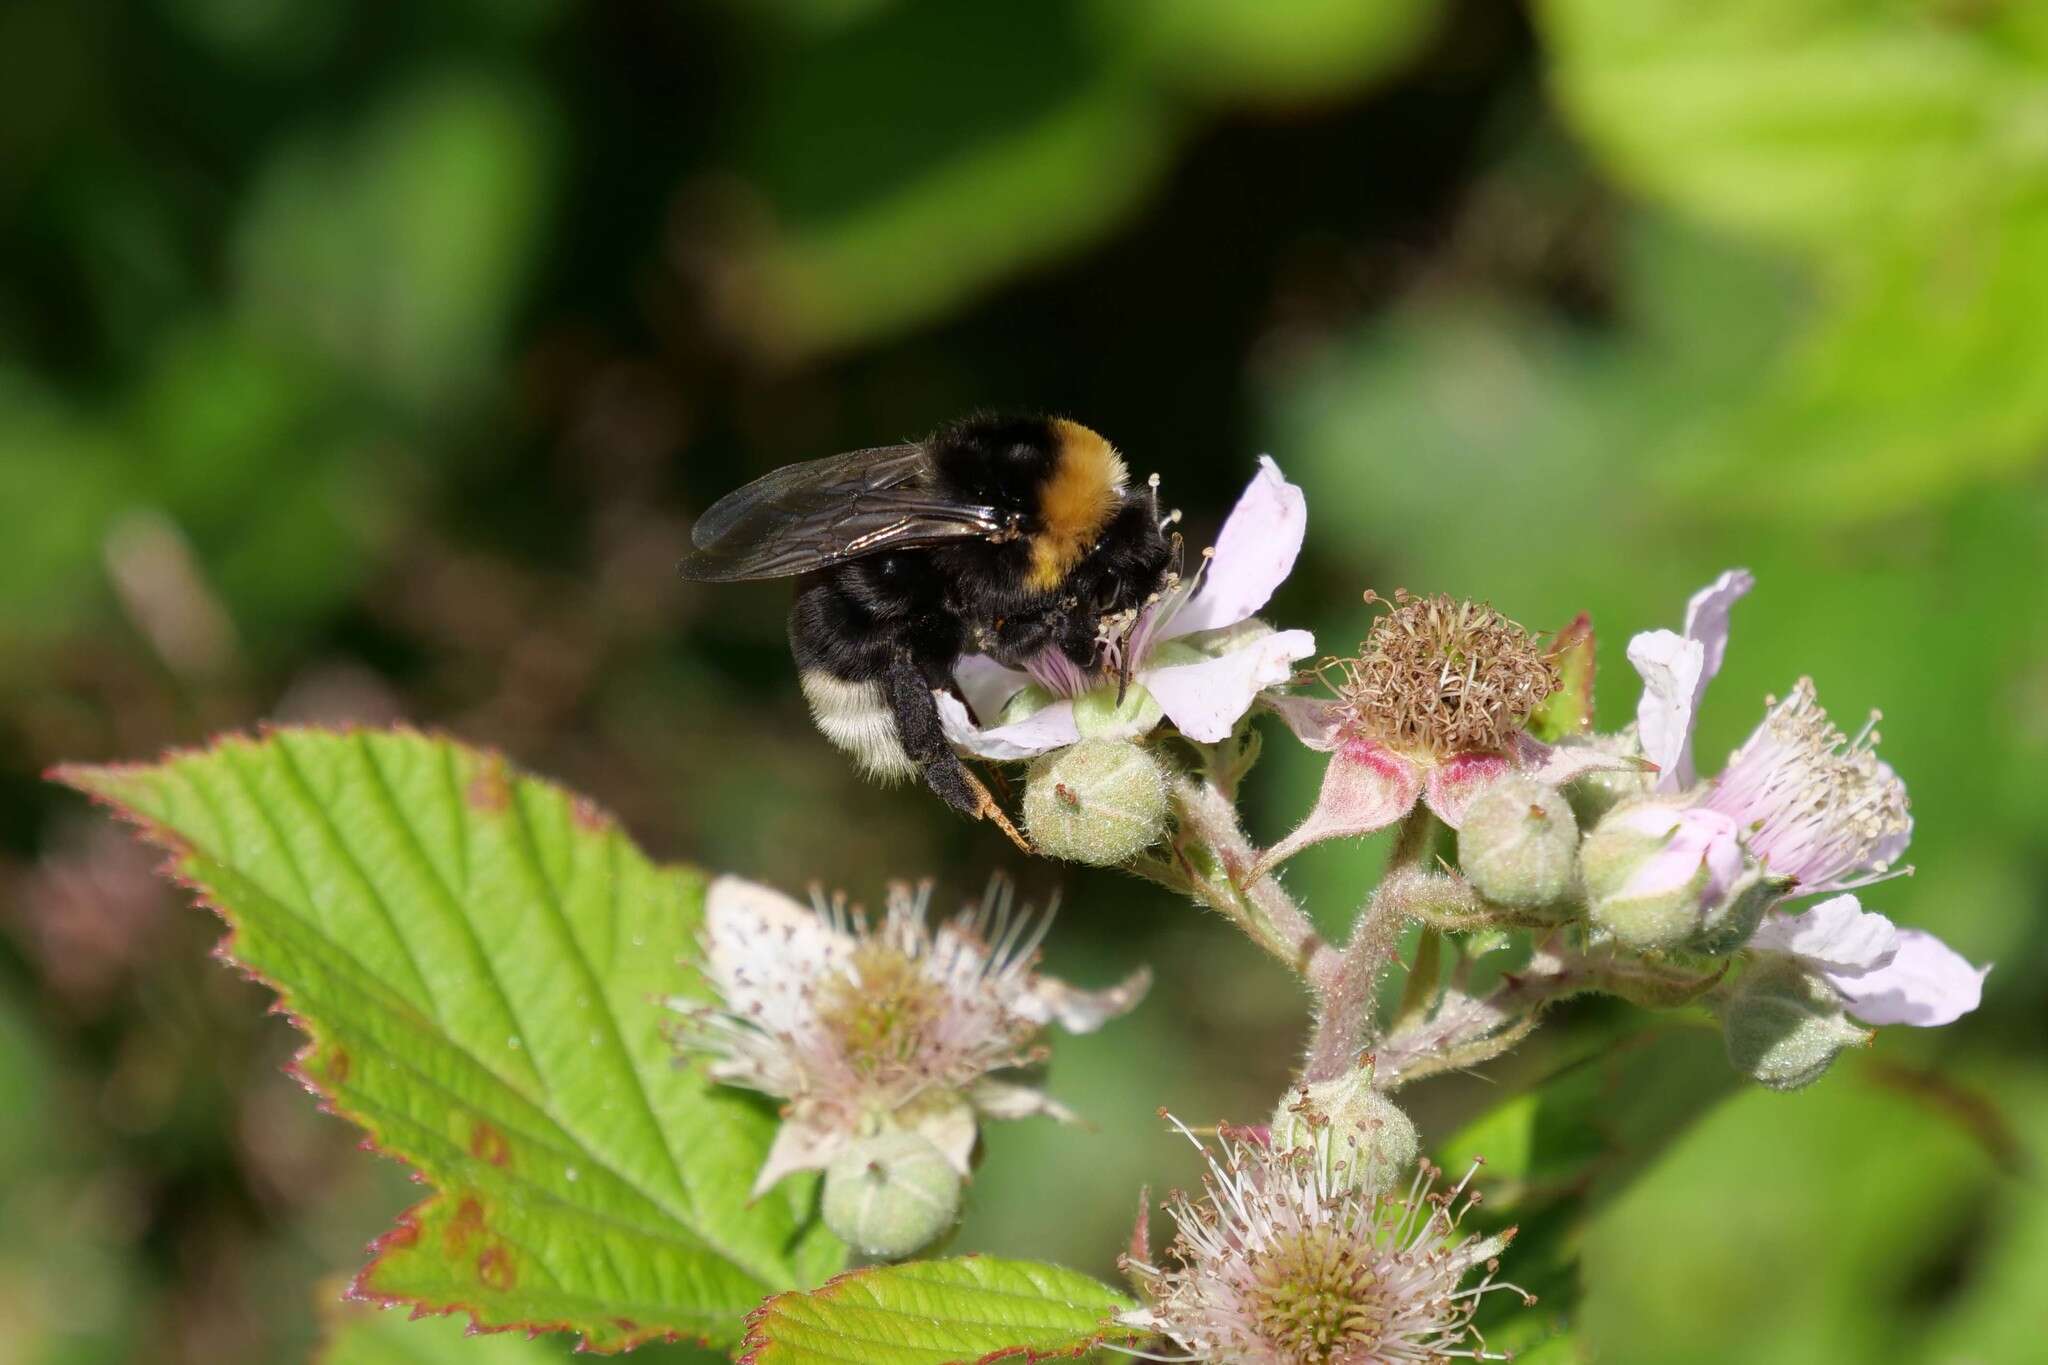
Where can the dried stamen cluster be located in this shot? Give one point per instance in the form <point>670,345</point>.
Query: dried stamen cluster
<point>1441,676</point>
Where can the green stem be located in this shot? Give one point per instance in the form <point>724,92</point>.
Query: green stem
<point>1208,859</point>
<point>1346,1016</point>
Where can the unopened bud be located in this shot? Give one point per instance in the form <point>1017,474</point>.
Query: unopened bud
<point>1662,875</point>
<point>1519,844</point>
<point>1100,802</point>
<point>891,1194</point>
<point>1592,794</point>
<point>1784,1026</point>
<point>1370,1139</point>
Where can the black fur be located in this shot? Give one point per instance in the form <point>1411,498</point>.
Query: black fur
<point>904,618</point>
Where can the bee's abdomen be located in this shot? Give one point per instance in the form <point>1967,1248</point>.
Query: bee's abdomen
<point>856,717</point>
<point>848,626</point>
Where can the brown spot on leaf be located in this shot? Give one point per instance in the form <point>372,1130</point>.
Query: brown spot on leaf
<point>486,1143</point>
<point>464,1228</point>
<point>495,1268</point>
<point>626,1324</point>
<point>491,788</point>
<point>335,1064</point>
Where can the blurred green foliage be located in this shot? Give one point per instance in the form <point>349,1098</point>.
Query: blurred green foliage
<point>360,363</point>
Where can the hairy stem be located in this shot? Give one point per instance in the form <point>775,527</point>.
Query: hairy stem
<point>1348,988</point>
<point>1208,859</point>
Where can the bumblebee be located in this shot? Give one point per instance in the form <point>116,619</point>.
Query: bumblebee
<point>1002,535</point>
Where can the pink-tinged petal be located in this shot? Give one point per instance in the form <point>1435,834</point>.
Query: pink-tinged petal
<point>1838,934</point>
<point>1926,983</point>
<point>1366,787</point>
<point>1255,551</point>
<point>1313,719</point>
<point>988,685</point>
<point>1696,838</point>
<point>1706,618</point>
<point>1676,670</point>
<point>1040,732</point>
<point>1453,783</point>
<point>1671,668</point>
<point>1078,1011</point>
<point>1205,700</point>
<point>798,1146</point>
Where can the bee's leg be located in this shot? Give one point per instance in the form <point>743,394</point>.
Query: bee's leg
<point>924,742</point>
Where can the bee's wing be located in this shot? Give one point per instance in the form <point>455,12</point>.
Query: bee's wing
<point>813,515</point>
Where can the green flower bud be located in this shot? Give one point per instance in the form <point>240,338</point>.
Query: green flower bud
<point>1593,794</point>
<point>1100,802</point>
<point>891,1194</point>
<point>1368,1134</point>
<point>1663,875</point>
<point>1519,844</point>
<point>1098,714</point>
<point>1784,1026</point>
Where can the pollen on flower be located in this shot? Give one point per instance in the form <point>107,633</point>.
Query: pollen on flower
<point>1443,676</point>
<point>1818,805</point>
<point>1289,1260</point>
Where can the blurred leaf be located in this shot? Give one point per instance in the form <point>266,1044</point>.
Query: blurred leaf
<point>1899,150</point>
<point>1929,368</point>
<point>478,959</point>
<point>1588,1131</point>
<point>1811,122</point>
<point>904,170</point>
<point>1257,52</point>
<point>1826,1224</point>
<point>398,250</point>
<point>60,479</point>
<point>935,1313</point>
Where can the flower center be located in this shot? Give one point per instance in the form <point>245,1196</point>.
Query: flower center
<point>1820,806</point>
<point>1316,1297</point>
<point>1444,676</point>
<point>881,1009</point>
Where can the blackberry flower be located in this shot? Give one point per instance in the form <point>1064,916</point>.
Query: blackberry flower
<point>861,1027</point>
<point>1290,1259</point>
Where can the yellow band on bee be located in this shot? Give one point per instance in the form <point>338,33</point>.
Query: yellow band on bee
<point>1075,502</point>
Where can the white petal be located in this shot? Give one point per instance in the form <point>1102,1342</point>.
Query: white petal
<point>1204,700</point>
<point>951,1128</point>
<point>988,685</point>
<point>762,950</point>
<point>1313,719</point>
<point>1836,933</point>
<point>1671,667</point>
<point>797,1147</point>
<point>1706,616</point>
<point>1051,728</point>
<point>1076,1010</point>
<point>1926,983</point>
<point>1676,670</point>
<point>1255,551</point>
<point>1005,1100</point>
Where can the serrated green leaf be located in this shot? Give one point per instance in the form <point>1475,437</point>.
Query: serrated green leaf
<point>936,1313</point>
<point>477,957</point>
